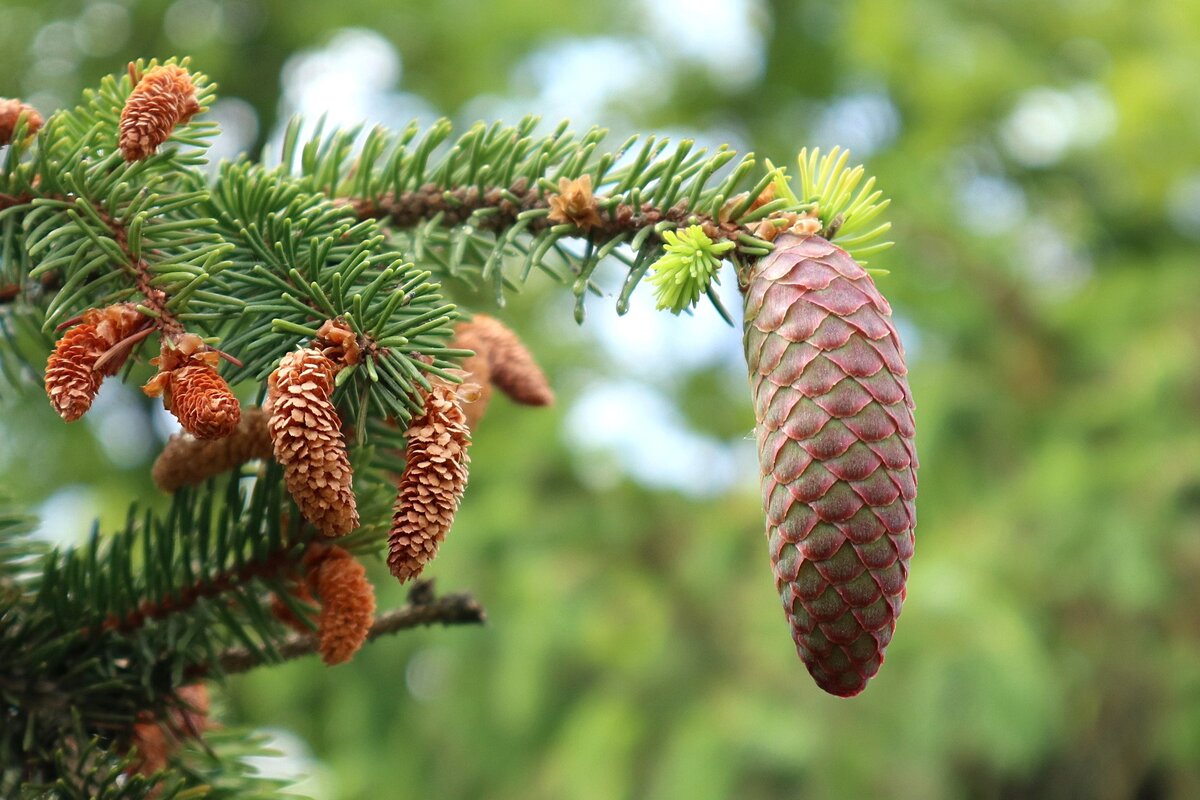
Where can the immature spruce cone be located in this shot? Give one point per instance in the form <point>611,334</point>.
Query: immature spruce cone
<point>513,369</point>
<point>10,111</point>
<point>347,606</point>
<point>192,390</point>
<point>307,436</point>
<point>203,403</point>
<point>835,440</point>
<point>435,476</point>
<point>72,379</point>
<point>187,461</point>
<point>163,98</point>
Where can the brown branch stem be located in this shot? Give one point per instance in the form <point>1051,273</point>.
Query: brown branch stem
<point>423,609</point>
<point>279,563</point>
<point>411,208</point>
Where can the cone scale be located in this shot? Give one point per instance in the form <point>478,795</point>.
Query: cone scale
<point>835,441</point>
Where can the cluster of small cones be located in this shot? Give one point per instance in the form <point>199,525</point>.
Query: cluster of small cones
<point>161,99</point>
<point>306,431</point>
<point>338,583</point>
<point>192,390</point>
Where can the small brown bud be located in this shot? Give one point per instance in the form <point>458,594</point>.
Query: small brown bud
<point>575,203</point>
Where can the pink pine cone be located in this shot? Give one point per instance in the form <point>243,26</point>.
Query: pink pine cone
<point>835,440</point>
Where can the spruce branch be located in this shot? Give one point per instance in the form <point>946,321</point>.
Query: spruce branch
<point>424,609</point>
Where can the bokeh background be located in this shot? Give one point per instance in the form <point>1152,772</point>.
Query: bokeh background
<point>1044,160</point>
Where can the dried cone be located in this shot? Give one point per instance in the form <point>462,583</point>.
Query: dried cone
<point>347,605</point>
<point>307,436</point>
<point>187,461</point>
<point>835,442</point>
<point>192,390</point>
<point>74,371</point>
<point>10,112</point>
<point>435,476</point>
<point>512,367</point>
<point>163,98</point>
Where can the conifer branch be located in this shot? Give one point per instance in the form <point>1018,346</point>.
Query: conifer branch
<point>275,566</point>
<point>496,209</point>
<point>423,609</point>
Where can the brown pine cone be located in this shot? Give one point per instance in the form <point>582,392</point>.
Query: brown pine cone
<point>307,435</point>
<point>203,402</point>
<point>435,476</point>
<point>192,390</point>
<point>72,379</point>
<point>347,606</point>
<point>512,367</point>
<point>163,98</point>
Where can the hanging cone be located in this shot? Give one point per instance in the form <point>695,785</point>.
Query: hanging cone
<point>835,442</point>
<point>155,739</point>
<point>434,479</point>
<point>74,372</point>
<point>512,367</point>
<point>347,605</point>
<point>307,435</point>
<point>10,113</point>
<point>192,390</point>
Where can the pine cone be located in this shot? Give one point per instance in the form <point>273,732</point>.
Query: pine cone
<point>163,98</point>
<point>187,461</point>
<point>513,369</point>
<point>192,390</point>
<point>72,379</point>
<point>307,436</point>
<point>203,402</point>
<point>835,440</point>
<point>435,476</point>
<point>10,111</point>
<point>347,606</point>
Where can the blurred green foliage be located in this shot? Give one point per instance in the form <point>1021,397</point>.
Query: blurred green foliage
<point>1046,197</point>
